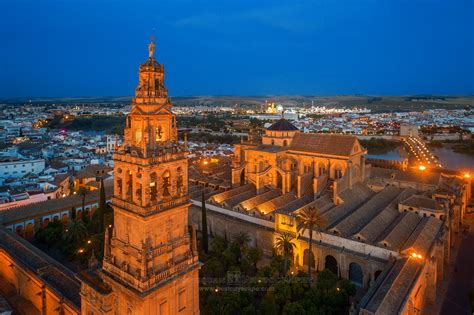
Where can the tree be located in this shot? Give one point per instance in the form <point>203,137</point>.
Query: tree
<point>83,192</point>
<point>254,255</point>
<point>99,214</point>
<point>205,245</point>
<point>310,219</point>
<point>73,214</point>
<point>74,232</point>
<point>284,246</point>
<point>242,239</point>
<point>218,245</point>
<point>293,308</point>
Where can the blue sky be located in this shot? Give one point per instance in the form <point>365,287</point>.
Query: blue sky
<point>244,47</point>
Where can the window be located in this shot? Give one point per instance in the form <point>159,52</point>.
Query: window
<point>181,300</point>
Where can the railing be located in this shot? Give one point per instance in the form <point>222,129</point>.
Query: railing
<point>135,155</point>
<point>153,280</point>
<point>151,209</point>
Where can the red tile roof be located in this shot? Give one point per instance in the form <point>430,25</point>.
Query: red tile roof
<point>327,144</point>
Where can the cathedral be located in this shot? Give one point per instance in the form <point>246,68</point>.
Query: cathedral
<point>390,232</point>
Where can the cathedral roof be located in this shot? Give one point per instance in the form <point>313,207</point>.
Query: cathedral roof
<point>282,125</point>
<point>329,144</point>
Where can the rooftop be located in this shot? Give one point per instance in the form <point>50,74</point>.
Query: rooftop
<point>282,125</point>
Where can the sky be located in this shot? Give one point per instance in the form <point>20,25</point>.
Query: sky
<point>240,47</point>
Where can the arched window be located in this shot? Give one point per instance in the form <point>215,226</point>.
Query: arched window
<point>331,264</point>
<point>166,183</point>
<point>356,275</point>
<point>19,230</point>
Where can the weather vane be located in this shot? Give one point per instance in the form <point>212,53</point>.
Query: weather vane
<point>151,47</point>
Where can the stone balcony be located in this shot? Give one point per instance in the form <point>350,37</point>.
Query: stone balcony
<point>149,210</point>
<point>150,156</point>
<point>153,280</point>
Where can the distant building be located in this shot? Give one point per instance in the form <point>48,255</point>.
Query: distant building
<point>17,168</point>
<point>409,131</point>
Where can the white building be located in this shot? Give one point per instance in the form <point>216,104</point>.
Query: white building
<point>15,168</point>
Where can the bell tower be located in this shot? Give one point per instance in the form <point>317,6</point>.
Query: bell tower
<point>149,265</point>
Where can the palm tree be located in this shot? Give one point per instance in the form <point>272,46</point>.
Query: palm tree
<point>310,219</point>
<point>75,232</point>
<point>284,246</point>
<point>242,239</point>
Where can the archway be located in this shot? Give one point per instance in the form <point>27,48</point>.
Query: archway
<point>356,275</point>
<point>29,230</point>
<point>19,230</point>
<point>308,258</point>
<point>46,222</point>
<point>331,264</point>
<point>166,183</point>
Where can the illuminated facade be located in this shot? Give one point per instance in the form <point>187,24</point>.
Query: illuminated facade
<point>149,266</point>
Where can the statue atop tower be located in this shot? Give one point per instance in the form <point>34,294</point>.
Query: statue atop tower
<point>151,47</point>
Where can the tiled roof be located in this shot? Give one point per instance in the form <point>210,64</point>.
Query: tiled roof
<point>362,216</point>
<point>391,291</point>
<point>275,203</point>
<point>282,125</point>
<point>94,170</point>
<point>55,275</point>
<point>221,197</point>
<point>423,236</point>
<point>327,144</point>
<point>426,177</point>
<point>422,202</point>
<point>251,203</point>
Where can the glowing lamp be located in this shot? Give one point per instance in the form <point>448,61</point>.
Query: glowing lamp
<point>419,256</point>
<point>414,255</point>
<point>467,175</point>
<point>422,167</point>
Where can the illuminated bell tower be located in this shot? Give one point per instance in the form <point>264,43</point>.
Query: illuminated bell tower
<point>149,266</point>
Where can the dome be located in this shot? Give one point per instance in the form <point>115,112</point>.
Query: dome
<point>151,65</point>
<point>282,125</point>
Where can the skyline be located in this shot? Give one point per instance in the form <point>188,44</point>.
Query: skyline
<point>237,49</point>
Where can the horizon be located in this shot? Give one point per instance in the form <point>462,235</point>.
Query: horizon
<point>273,48</point>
